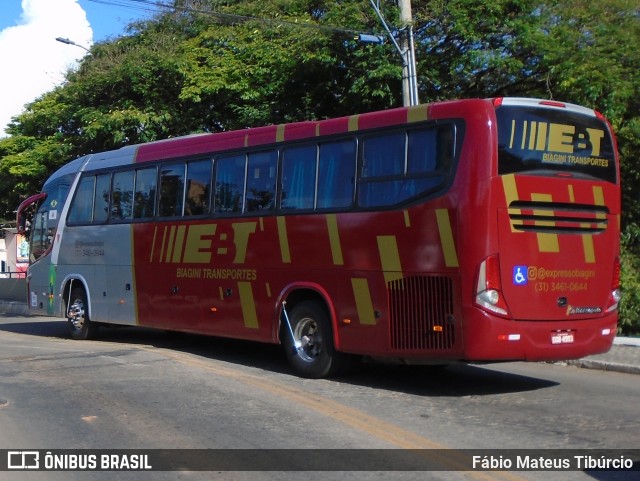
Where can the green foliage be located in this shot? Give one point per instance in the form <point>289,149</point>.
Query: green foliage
<point>289,68</point>
<point>480,49</point>
<point>630,281</point>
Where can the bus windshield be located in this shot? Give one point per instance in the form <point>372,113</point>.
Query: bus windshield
<point>44,222</point>
<point>545,141</point>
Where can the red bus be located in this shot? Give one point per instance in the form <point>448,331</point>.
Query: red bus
<point>469,230</point>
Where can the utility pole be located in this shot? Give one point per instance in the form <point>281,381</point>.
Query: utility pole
<point>405,48</point>
<point>409,75</point>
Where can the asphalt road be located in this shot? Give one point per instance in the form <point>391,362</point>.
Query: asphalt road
<point>144,389</point>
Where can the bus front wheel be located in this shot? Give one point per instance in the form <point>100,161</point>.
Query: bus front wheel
<point>310,352</point>
<point>80,325</point>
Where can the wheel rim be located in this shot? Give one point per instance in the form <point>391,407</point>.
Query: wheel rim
<point>76,314</point>
<point>309,336</point>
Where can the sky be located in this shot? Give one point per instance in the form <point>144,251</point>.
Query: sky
<point>32,61</point>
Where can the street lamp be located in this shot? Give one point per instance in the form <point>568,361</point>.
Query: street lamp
<point>71,42</point>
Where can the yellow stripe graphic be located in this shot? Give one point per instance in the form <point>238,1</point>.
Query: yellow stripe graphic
<point>407,219</point>
<point>153,244</point>
<point>598,195</point>
<point>589,250</point>
<point>248,305</point>
<point>546,242</point>
<point>280,133</point>
<point>354,122</point>
<point>364,305</point>
<point>172,236</point>
<point>446,238</point>
<point>334,240</point>
<point>284,240</point>
<point>164,237</point>
<point>511,195</point>
<point>418,113</point>
<point>587,239</point>
<point>177,250</point>
<point>532,135</point>
<point>241,233</point>
<point>389,257</point>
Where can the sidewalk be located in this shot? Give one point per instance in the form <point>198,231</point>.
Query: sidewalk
<point>624,355</point>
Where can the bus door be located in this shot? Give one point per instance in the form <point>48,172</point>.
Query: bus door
<point>168,295</point>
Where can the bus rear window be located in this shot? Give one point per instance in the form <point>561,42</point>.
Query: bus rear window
<point>546,141</point>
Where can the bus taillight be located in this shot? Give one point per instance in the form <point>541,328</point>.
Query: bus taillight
<point>489,287</point>
<point>616,294</point>
<point>552,103</point>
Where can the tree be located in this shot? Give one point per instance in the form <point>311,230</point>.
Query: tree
<point>469,48</point>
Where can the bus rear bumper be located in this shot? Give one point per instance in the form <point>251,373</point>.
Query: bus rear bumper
<point>495,339</point>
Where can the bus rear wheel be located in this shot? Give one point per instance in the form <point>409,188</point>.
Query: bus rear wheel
<point>310,353</point>
<point>80,325</point>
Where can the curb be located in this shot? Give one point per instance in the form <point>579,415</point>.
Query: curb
<point>626,341</point>
<point>605,366</point>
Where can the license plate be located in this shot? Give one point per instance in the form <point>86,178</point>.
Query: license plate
<point>562,337</point>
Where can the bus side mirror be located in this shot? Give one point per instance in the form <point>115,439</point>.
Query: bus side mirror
<point>22,221</point>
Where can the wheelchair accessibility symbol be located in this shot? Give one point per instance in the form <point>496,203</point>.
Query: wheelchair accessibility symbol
<point>520,275</point>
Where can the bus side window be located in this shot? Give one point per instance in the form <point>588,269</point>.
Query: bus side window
<point>171,190</point>
<point>229,184</point>
<point>299,166</point>
<point>102,198</point>
<point>198,188</point>
<point>261,181</point>
<point>387,179</point>
<point>122,196</point>
<point>81,209</point>
<point>336,172</point>
<point>430,150</point>
<point>383,155</point>
<point>41,235</point>
<point>145,193</point>
<point>383,158</point>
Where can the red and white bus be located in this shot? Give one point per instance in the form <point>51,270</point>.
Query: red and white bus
<point>470,230</point>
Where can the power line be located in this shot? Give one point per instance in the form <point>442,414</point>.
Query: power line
<point>142,5</point>
<point>153,6</point>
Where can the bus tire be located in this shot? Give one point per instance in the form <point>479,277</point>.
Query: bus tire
<point>80,325</point>
<point>315,356</point>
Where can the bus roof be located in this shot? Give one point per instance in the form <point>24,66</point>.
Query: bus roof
<point>207,143</point>
<point>527,102</point>
<point>217,142</point>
